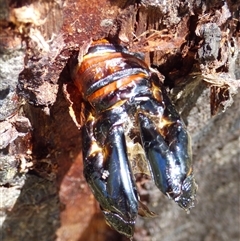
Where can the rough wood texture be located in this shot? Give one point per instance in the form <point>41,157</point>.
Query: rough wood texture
<point>194,44</point>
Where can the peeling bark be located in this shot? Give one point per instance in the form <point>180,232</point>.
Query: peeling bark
<point>193,44</point>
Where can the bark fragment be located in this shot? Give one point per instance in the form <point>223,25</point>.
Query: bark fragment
<point>194,44</point>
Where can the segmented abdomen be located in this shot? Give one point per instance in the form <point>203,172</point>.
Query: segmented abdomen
<point>107,69</point>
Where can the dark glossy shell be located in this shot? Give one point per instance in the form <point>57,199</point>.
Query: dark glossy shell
<point>129,119</point>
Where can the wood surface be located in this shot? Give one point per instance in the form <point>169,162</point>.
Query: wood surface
<point>193,44</point>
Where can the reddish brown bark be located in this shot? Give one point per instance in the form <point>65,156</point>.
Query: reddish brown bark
<point>194,44</point>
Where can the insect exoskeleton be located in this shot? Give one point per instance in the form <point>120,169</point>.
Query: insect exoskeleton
<point>130,125</point>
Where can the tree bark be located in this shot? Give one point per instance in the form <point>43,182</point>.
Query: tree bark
<point>193,44</point>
